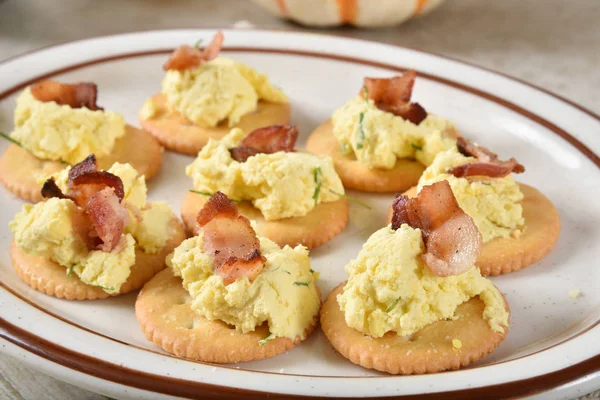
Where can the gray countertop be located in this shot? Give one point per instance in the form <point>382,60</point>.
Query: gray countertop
<point>554,44</point>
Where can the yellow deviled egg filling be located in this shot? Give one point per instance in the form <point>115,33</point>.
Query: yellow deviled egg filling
<point>493,203</point>
<point>61,133</point>
<point>46,230</point>
<point>218,90</point>
<point>390,289</point>
<point>378,138</point>
<point>280,185</point>
<point>284,294</point>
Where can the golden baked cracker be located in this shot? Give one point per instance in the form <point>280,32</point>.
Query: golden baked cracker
<point>177,133</point>
<point>50,278</point>
<point>317,227</point>
<point>540,234</point>
<point>166,318</point>
<point>354,174</point>
<point>19,169</point>
<point>426,351</point>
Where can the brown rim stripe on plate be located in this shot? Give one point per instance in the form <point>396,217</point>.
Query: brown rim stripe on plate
<point>191,389</point>
<point>164,354</point>
<point>511,389</point>
<point>505,103</point>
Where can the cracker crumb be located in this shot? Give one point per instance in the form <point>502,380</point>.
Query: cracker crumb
<point>574,293</point>
<point>456,343</point>
<point>281,371</point>
<point>243,24</point>
<point>214,369</point>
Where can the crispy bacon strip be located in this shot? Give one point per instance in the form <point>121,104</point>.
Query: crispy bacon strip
<point>393,95</point>
<point>270,139</point>
<point>98,194</point>
<point>452,240</point>
<point>185,57</point>
<point>229,240</point>
<point>488,163</point>
<point>77,95</point>
<point>108,217</point>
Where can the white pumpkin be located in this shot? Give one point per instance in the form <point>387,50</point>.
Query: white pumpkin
<point>368,13</point>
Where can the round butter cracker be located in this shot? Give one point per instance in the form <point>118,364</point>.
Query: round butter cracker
<point>426,351</point>
<point>317,227</point>
<point>48,277</point>
<point>540,234</point>
<point>354,174</point>
<point>19,169</point>
<point>167,319</point>
<point>177,133</point>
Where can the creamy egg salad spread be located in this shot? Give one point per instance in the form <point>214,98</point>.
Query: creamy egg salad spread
<point>390,289</point>
<point>218,90</point>
<point>378,138</point>
<point>47,230</point>
<point>493,203</point>
<point>60,133</point>
<point>280,185</point>
<point>284,294</point>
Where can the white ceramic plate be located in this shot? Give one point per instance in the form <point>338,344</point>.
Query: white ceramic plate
<point>553,342</point>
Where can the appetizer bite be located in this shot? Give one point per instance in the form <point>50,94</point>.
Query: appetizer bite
<point>380,141</point>
<point>294,197</point>
<point>230,295</point>
<point>519,225</point>
<point>414,301</point>
<point>94,236</point>
<point>59,124</point>
<point>204,96</point>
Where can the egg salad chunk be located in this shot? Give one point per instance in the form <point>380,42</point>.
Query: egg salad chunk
<point>493,203</point>
<point>60,133</point>
<point>378,138</point>
<point>217,90</point>
<point>280,185</point>
<point>48,229</point>
<point>284,294</point>
<point>148,222</point>
<point>390,289</point>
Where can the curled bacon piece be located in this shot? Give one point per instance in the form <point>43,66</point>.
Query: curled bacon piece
<point>488,163</point>
<point>393,95</point>
<point>101,217</point>
<point>229,240</point>
<point>268,140</point>
<point>452,240</point>
<point>77,95</point>
<point>185,57</point>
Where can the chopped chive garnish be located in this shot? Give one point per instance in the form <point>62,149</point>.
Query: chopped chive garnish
<point>198,43</point>
<point>104,287</point>
<point>366,93</point>
<point>414,146</point>
<point>301,283</point>
<point>317,174</point>
<point>266,339</point>
<point>352,199</point>
<point>70,270</point>
<point>286,271</point>
<point>345,148</point>
<point>5,136</point>
<point>210,194</point>
<point>360,140</point>
<point>393,305</point>
<point>312,271</point>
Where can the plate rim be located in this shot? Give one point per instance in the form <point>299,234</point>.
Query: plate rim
<point>594,360</point>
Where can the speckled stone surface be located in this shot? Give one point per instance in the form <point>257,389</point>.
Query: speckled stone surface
<point>554,44</point>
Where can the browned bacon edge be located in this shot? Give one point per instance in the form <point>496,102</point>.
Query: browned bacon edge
<point>268,140</point>
<point>488,163</point>
<point>185,57</point>
<point>393,95</point>
<point>229,240</point>
<point>452,240</point>
<point>76,95</point>
<point>101,217</point>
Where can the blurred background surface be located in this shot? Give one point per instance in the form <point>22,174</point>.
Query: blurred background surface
<point>554,44</point>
